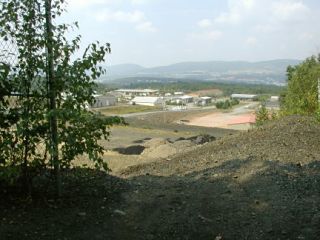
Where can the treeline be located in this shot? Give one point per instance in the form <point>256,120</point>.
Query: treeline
<point>189,86</point>
<point>301,96</point>
<point>227,104</point>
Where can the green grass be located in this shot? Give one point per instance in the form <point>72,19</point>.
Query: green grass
<point>118,110</point>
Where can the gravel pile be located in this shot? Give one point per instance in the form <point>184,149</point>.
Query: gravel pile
<point>162,148</point>
<point>260,184</point>
<point>293,140</point>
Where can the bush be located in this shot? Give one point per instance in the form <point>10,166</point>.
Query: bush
<point>264,115</point>
<point>227,104</point>
<point>301,96</point>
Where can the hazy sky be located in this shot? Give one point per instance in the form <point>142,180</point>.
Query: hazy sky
<point>161,32</point>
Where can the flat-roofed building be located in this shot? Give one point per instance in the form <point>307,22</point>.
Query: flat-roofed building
<point>205,100</point>
<point>104,101</point>
<point>251,97</point>
<point>185,99</point>
<point>131,93</point>
<point>178,93</point>
<point>147,101</point>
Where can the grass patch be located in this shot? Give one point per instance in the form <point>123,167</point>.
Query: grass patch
<point>126,109</point>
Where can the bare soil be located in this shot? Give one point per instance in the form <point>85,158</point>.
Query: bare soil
<point>257,184</point>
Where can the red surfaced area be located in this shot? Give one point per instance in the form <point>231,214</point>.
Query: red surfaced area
<point>241,119</point>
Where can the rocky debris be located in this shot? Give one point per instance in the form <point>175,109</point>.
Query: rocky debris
<point>201,139</point>
<point>293,140</point>
<point>159,151</point>
<point>162,148</point>
<point>261,184</point>
<point>155,142</point>
<point>183,145</point>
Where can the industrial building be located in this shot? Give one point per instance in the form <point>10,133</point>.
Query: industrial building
<point>147,101</point>
<point>244,97</point>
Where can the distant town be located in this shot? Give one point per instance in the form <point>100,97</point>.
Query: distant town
<point>173,100</point>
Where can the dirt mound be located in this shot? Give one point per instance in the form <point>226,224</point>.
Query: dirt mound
<point>260,184</point>
<point>155,142</point>
<point>293,139</point>
<point>162,148</point>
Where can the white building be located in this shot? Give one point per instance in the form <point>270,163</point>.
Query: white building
<point>147,101</point>
<point>244,96</point>
<point>274,98</point>
<point>186,99</point>
<point>104,101</point>
<point>205,100</point>
<point>131,93</point>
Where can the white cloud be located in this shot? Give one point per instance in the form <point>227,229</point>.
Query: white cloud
<point>247,4</point>
<point>236,10</point>
<point>146,27</point>
<point>306,36</point>
<point>230,17</point>
<point>205,23</point>
<point>120,16</point>
<point>265,28</point>
<point>87,3</point>
<point>290,10</point>
<point>251,41</point>
<point>137,2</point>
<point>134,17</point>
<point>213,35</point>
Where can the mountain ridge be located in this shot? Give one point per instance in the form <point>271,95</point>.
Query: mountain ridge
<point>268,71</point>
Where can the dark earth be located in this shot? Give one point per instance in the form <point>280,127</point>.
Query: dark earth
<point>259,184</point>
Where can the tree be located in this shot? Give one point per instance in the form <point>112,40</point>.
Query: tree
<point>302,93</point>
<point>49,124</point>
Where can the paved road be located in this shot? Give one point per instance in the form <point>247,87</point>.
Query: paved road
<point>245,108</point>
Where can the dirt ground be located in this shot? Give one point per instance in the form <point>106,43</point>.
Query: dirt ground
<point>256,184</point>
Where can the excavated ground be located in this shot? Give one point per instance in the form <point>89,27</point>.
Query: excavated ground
<point>259,184</point>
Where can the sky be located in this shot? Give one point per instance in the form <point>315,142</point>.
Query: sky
<point>162,32</point>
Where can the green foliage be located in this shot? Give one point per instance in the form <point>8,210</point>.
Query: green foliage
<point>227,104</point>
<point>234,102</point>
<point>264,115</point>
<point>189,85</point>
<point>317,114</point>
<point>119,110</point>
<point>25,120</point>
<point>301,96</point>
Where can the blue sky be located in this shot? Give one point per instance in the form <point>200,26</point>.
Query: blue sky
<point>161,32</point>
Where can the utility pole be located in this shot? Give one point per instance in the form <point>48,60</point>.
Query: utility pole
<point>52,98</point>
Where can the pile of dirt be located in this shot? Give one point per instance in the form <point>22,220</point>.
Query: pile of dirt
<point>260,184</point>
<point>293,140</point>
<point>163,148</point>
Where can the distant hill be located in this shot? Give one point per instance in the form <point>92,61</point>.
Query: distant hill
<point>124,69</point>
<point>224,67</point>
<point>267,72</point>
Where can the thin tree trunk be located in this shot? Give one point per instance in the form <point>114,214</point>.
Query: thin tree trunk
<point>52,99</point>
